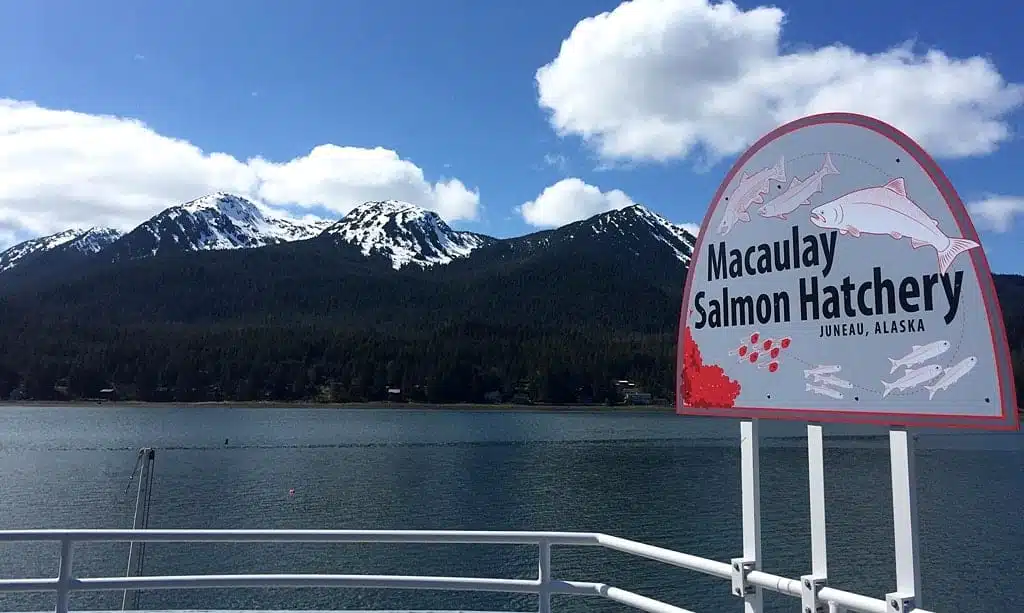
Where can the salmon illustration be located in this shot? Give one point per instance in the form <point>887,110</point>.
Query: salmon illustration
<point>799,192</point>
<point>912,377</point>
<point>822,369</point>
<point>750,191</point>
<point>951,375</point>
<point>833,381</point>
<point>920,353</point>
<point>824,391</point>
<point>888,210</point>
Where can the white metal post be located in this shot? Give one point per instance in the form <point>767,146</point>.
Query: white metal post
<point>750,460</point>
<point>544,577</point>
<point>816,478</point>
<point>64,577</point>
<point>811,584</point>
<point>904,517</point>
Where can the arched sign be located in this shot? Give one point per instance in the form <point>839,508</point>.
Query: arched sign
<point>838,277</point>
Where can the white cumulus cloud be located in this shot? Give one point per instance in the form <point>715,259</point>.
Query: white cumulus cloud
<point>663,79</point>
<point>571,200</point>
<point>995,212</point>
<point>61,168</point>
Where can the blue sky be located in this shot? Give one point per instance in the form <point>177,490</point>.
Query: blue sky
<point>451,88</point>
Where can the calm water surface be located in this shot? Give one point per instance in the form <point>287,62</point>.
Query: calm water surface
<point>657,478</point>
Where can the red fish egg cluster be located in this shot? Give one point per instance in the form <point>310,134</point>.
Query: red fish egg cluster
<point>704,385</point>
<point>762,350</point>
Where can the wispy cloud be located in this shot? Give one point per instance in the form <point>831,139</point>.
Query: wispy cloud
<point>996,212</point>
<point>556,161</point>
<point>139,57</point>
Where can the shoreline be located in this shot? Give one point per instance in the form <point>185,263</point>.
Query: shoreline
<point>393,406</point>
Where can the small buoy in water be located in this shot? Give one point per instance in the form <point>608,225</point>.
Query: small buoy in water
<point>291,492</point>
<point>225,441</point>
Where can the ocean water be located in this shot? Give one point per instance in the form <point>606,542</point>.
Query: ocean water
<point>657,478</point>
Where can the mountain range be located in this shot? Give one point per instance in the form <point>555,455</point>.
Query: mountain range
<point>400,233</point>
<point>217,299</point>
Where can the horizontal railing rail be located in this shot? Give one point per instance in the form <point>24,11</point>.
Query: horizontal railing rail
<point>544,586</point>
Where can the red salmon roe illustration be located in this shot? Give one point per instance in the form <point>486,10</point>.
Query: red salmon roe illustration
<point>704,385</point>
<point>742,350</point>
<point>773,366</point>
<point>785,342</point>
<point>775,352</point>
<point>753,357</point>
<point>754,337</point>
<point>767,344</point>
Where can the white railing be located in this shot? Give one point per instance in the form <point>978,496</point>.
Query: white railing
<point>744,580</point>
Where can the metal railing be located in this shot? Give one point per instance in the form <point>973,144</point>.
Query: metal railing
<point>744,580</point>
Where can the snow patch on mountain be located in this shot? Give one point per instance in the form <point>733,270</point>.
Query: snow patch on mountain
<point>405,234</point>
<point>82,240</point>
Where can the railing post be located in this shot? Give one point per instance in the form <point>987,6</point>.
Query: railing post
<point>64,577</point>
<point>544,577</point>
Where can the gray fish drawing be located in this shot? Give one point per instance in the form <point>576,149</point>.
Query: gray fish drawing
<point>824,391</point>
<point>798,193</point>
<point>912,377</point>
<point>822,369</point>
<point>920,353</point>
<point>833,381</point>
<point>951,375</point>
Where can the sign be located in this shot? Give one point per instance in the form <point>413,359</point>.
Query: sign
<point>838,277</point>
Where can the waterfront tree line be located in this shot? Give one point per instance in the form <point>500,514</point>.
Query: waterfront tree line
<point>317,363</point>
<point>553,332</point>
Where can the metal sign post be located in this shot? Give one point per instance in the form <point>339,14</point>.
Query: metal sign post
<point>750,459</point>
<point>904,518</point>
<point>837,277</point>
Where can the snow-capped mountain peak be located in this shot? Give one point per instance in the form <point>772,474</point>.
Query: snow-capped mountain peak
<point>404,233</point>
<point>74,240</point>
<point>95,240</point>
<point>213,222</point>
<point>673,236</point>
<point>634,228</point>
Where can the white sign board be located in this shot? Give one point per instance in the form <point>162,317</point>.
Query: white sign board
<point>838,277</point>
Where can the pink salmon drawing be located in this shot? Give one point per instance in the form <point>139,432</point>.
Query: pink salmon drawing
<point>798,193</point>
<point>888,210</point>
<point>750,191</point>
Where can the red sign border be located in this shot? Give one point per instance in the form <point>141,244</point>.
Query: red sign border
<point>1009,419</point>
